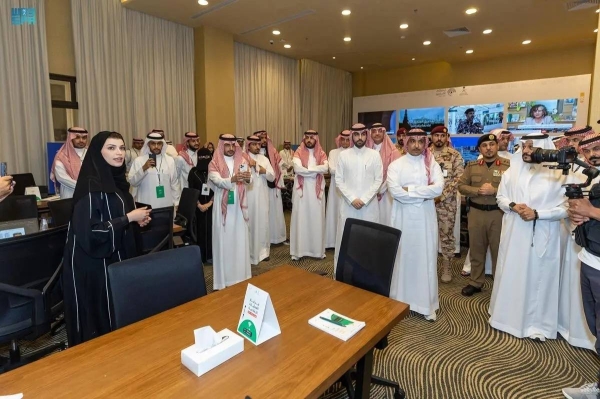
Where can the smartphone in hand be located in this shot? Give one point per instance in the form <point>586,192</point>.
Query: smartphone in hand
<point>243,167</point>
<point>153,157</point>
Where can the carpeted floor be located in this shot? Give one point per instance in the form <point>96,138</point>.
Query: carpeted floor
<point>459,356</point>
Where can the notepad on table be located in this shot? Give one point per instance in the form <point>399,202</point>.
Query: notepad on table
<point>336,324</point>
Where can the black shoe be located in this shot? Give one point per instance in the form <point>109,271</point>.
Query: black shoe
<point>266,259</point>
<point>457,254</point>
<point>469,290</point>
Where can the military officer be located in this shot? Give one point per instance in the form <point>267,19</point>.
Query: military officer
<point>452,165</point>
<point>480,182</point>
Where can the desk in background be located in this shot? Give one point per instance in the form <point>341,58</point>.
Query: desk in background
<point>143,360</point>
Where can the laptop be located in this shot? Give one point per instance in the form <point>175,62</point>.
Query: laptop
<point>20,227</point>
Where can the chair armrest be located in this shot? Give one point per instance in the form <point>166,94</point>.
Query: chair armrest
<point>49,287</point>
<point>38,311</point>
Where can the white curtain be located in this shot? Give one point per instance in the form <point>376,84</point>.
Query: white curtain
<point>135,72</point>
<point>267,88</point>
<point>25,101</point>
<point>326,101</point>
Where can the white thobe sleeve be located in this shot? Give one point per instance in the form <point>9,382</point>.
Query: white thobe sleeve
<point>340,184</point>
<point>62,177</point>
<point>332,163</point>
<point>137,172</point>
<point>396,189</point>
<point>502,193</point>
<point>557,213</point>
<point>269,172</point>
<point>430,191</point>
<point>219,182</point>
<point>311,171</point>
<point>376,183</point>
<point>175,186</point>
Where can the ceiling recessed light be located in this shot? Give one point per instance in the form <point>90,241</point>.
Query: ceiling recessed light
<point>414,59</point>
<point>471,11</point>
<point>333,58</point>
<point>346,12</point>
<point>361,67</point>
<point>598,10</point>
<point>596,30</point>
<point>469,51</point>
<point>347,38</point>
<point>487,31</point>
<point>402,37</point>
<point>426,43</point>
<point>287,45</point>
<point>276,32</point>
<point>526,41</point>
<point>203,2</point>
<point>403,26</point>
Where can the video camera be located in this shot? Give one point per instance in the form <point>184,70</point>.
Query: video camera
<point>564,158</point>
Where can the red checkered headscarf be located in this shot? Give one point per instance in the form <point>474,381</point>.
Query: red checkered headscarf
<point>183,151</point>
<point>303,154</point>
<point>68,156</point>
<point>575,131</point>
<point>219,165</point>
<point>345,134</point>
<point>274,156</point>
<point>389,153</point>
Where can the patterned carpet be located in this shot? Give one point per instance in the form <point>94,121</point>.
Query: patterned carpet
<point>459,356</point>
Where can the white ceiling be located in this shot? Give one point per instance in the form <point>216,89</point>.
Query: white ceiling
<point>315,28</point>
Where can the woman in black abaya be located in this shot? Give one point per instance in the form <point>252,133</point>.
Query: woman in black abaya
<point>99,234</point>
<point>198,179</point>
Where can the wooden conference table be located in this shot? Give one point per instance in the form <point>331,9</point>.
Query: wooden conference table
<point>144,359</point>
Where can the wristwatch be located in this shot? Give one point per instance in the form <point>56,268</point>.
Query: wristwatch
<point>511,205</point>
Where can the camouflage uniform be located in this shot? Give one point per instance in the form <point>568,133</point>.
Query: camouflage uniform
<point>452,165</point>
<point>485,217</point>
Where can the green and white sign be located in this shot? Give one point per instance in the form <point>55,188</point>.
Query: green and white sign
<point>258,321</point>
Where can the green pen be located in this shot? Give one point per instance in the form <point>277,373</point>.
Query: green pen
<point>331,321</point>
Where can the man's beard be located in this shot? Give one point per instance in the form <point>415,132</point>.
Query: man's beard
<point>311,146</point>
<point>192,148</point>
<point>439,144</point>
<point>229,153</point>
<point>359,144</point>
<point>594,161</point>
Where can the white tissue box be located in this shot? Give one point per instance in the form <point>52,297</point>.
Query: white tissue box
<point>200,363</point>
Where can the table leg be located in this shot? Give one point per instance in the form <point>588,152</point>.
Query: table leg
<point>364,370</point>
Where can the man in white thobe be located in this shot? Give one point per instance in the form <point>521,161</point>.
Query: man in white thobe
<point>171,150</point>
<point>504,139</point>
<point>571,317</point>
<point>381,142</point>
<point>334,198</point>
<point>155,177</point>
<point>524,299</point>
<point>307,230</point>
<point>187,158</point>
<point>258,201</point>
<point>229,173</point>
<point>358,177</point>
<point>287,156</point>
<point>277,228</point>
<point>414,181</point>
<point>67,162</point>
<point>134,152</point>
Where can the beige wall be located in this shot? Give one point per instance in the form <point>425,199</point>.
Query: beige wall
<point>59,37</point>
<point>214,80</point>
<point>567,62</point>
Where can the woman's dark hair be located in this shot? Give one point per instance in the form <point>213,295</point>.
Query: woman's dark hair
<point>115,135</point>
<point>535,107</point>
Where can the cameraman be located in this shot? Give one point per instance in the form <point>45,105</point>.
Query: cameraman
<point>586,213</point>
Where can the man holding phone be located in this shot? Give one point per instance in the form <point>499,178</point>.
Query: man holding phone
<point>154,174</point>
<point>228,175</point>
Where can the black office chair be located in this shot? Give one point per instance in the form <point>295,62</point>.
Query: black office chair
<point>158,234</point>
<point>147,285</point>
<point>366,260</point>
<point>18,207</point>
<point>22,180</point>
<point>186,214</point>
<point>61,211</point>
<point>30,296</point>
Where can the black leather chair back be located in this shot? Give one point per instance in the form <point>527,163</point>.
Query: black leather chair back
<point>187,211</point>
<point>367,255</point>
<point>18,207</point>
<point>147,285</point>
<point>61,211</point>
<point>159,233</point>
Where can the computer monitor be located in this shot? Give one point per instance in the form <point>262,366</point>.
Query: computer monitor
<point>16,228</point>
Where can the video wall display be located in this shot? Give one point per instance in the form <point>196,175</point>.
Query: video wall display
<point>389,119</point>
<point>421,118</point>
<point>547,115</point>
<point>467,146</point>
<point>475,118</point>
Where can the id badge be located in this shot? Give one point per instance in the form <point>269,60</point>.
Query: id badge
<point>160,191</point>
<point>231,198</point>
<point>445,171</point>
<point>497,173</point>
<point>205,189</point>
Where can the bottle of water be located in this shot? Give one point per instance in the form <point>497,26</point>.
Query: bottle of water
<point>44,224</point>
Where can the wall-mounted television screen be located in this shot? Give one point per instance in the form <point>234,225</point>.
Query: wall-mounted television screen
<point>546,115</point>
<point>475,118</point>
<point>389,119</point>
<point>421,118</point>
